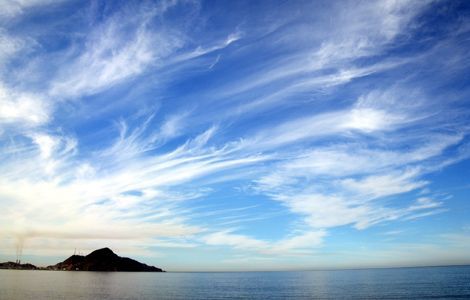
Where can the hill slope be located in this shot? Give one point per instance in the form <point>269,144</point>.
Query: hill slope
<point>103,260</point>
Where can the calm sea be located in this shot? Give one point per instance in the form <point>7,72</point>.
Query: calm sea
<point>401,283</point>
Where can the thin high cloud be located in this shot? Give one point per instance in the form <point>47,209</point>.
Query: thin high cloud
<point>160,126</point>
<point>119,49</point>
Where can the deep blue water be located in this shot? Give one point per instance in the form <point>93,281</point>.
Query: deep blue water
<point>400,283</point>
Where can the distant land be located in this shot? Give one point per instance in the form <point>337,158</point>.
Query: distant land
<point>18,266</point>
<point>99,260</point>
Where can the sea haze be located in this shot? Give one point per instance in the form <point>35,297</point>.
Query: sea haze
<point>398,283</point>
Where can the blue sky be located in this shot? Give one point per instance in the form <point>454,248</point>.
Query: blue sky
<point>236,135</point>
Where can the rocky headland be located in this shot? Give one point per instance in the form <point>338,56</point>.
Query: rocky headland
<point>99,260</point>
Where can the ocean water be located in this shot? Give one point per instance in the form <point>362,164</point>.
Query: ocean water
<point>400,283</point>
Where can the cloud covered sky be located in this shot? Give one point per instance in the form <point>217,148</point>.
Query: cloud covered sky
<point>239,135</point>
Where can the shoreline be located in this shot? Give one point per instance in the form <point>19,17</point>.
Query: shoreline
<point>248,271</point>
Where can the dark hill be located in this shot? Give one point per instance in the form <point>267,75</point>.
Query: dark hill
<point>103,260</point>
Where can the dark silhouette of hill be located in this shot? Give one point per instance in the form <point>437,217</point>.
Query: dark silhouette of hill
<point>103,260</point>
